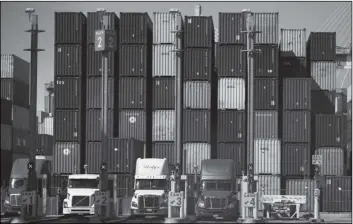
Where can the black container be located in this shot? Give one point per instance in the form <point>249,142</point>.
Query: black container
<point>330,130</point>
<point>94,92</point>
<point>68,93</point>
<point>15,91</point>
<point>134,124</point>
<point>163,93</point>
<point>67,125</point>
<point>94,23</point>
<point>69,61</point>
<point>135,28</point>
<point>293,68</point>
<point>135,60</point>
<point>297,94</point>
<point>67,158</point>
<point>231,61</point>
<point>94,62</point>
<point>323,102</point>
<point>231,126</point>
<point>265,94</point>
<point>6,112</point>
<point>166,150</point>
<point>45,145</point>
<point>199,63</point>
<point>6,166</point>
<point>337,194</point>
<point>199,31</point>
<point>266,61</point>
<point>234,151</point>
<point>70,28</point>
<point>197,125</point>
<point>230,27</point>
<point>296,126</point>
<point>296,159</point>
<point>321,46</point>
<point>132,93</point>
<point>93,124</point>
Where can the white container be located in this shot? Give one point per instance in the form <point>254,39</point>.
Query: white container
<point>20,117</point>
<point>267,156</point>
<point>46,127</point>
<point>231,93</point>
<point>6,137</point>
<point>163,25</point>
<point>332,161</point>
<point>293,41</point>
<point>197,95</point>
<point>195,153</point>
<point>268,185</point>
<point>15,68</point>
<point>163,60</point>
<point>163,125</point>
<point>324,75</point>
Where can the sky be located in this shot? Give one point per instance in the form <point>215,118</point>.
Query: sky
<point>14,21</point>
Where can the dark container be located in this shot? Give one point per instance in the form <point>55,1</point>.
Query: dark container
<point>132,93</point>
<point>198,63</point>
<point>330,130</point>
<point>198,31</point>
<point>6,112</point>
<point>231,61</point>
<point>135,28</point>
<point>296,159</point>
<point>94,92</point>
<point>69,61</point>
<point>93,156</point>
<point>67,158</point>
<point>268,25</point>
<point>70,28</point>
<point>67,125</point>
<point>132,124</point>
<point>45,145</point>
<point>94,62</point>
<point>230,28</point>
<point>265,124</point>
<point>265,94</point>
<point>93,124</point>
<point>6,166</point>
<point>296,126</point>
<point>297,94</point>
<point>234,151</point>
<point>135,60</point>
<point>231,126</point>
<point>163,93</point>
<point>68,93</point>
<point>321,46</point>
<point>15,91</point>
<point>323,102</point>
<point>94,23</point>
<point>293,68</point>
<point>166,150</point>
<point>266,60</point>
<point>197,125</point>
<point>337,194</point>
<point>20,141</point>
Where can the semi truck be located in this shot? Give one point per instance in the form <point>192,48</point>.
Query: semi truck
<point>217,193</point>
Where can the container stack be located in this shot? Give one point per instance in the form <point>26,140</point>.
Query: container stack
<point>70,92</point>
<point>93,149</point>
<point>199,90</point>
<point>135,78</point>
<point>6,140</point>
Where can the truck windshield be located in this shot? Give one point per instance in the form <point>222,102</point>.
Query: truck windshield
<point>220,185</point>
<point>151,184</point>
<point>84,183</point>
<point>17,183</point>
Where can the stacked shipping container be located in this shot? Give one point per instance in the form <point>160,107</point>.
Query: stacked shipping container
<point>6,139</point>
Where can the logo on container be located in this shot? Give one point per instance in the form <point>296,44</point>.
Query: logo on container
<point>66,151</point>
<point>132,120</point>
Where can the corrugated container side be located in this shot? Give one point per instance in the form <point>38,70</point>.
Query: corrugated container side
<point>163,125</point>
<point>67,158</point>
<point>132,93</point>
<point>20,141</point>
<point>197,125</point>
<point>132,124</point>
<point>163,25</point>
<point>231,61</point>
<point>323,102</point>
<point>135,60</point>
<point>47,126</point>
<point>293,43</point>
<point>198,31</point>
<point>20,117</point>
<point>296,126</point>
<point>266,124</point>
<point>321,46</point>
<point>94,23</point>
<point>93,156</point>
<point>68,61</point>
<point>337,194</point>
<point>67,125</point>
<point>93,124</point>
<point>94,89</point>
<point>296,159</point>
<point>49,104</point>
<point>45,145</point>
<point>6,137</point>
<point>234,151</point>
<point>330,130</point>
<point>265,94</point>
<point>135,28</point>
<point>324,75</point>
<point>198,64</point>
<point>14,67</point>
<point>68,93</point>
<point>166,150</point>
<point>231,126</point>
<point>332,161</point>
<point>293,68</point>
<point>164,60</point>
<point>94,62</point>
<point>125,185</point>
<point>266,61</point>
<point>56,182</point>
<point>15,91</point>
<point>70,28</point>
<point>6,112</point>
<point>302,187</point>
<point>6,166</point>
<point>197,95</point>
<point>195,153</point>
<point>297,94</point>
<point>230,27</point>
<point>268,185</point>
<point>267,157</point>
<point>268,25</point>
<point>231,93</point>
<point>163,93</point>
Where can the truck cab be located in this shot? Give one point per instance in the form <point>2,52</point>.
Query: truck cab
<point>151,186</point>
<point>217,191</point>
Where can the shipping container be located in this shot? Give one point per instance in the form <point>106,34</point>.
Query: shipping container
<point>135,60</point>
<point>6,137</point>
<point>265,94</point>
<point>93,124</point>
<point>20,141</point>
<point>234,151</point>
<point>330,130</point>
<point>94,62</point>
<point>20,117</point>
<point>70,28</point>
<point>49,104</point>
<point>57,181</point>
<point>163,125</point>
<point>194,154</point>
<point>231,61</point>
<point>323,102</point>
<point>266,124</point>
<point>197,125</point>
<point>230,27</point>
<point>67,158</point>
<point>45,145</point>
<point>93,157</point>
<point>41,115</point>
<point>293,68</point>
<point>302,187</point>
<point>166,150</point>
<point>132,93</point>
<point>198,31</point>
<point>296,159</point>
<point>47,126</point>
<point>197,95</point>
<point>6,112</point>
<point>94,92</point>
<point>268,185</point>
<point>293,43</point>
<point>6,166</point>
<point>266,61</point>
<point>332,161</point>
<point>132,124</point>
<point>267,156</point>
<point>268,25</point>
<point>337,194</point>
<point>198,64</point>
<point>321,46</point>
<point>324,75</point>
<point>68,93</point>
<point>17,92</point>
<point>297,94</point>
<point>67,125</point>
<point>94,23</point>
<point>135,28</point>
<point>164,60</point>
<point>231,126</point>
<point>296,126</point>
<point>14,67</point>
<point>231,93</point>
<point>163,25</point>
<point>163,93</point>
<point>69,61</point>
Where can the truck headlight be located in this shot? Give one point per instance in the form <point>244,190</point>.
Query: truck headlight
<point>65,204</point>
<point>134,204</point>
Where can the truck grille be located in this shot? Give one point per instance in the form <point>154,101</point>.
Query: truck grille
<point>215,203</point>
<point>15,199</point>
<point>79,201</point>
<point>149,201</point>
